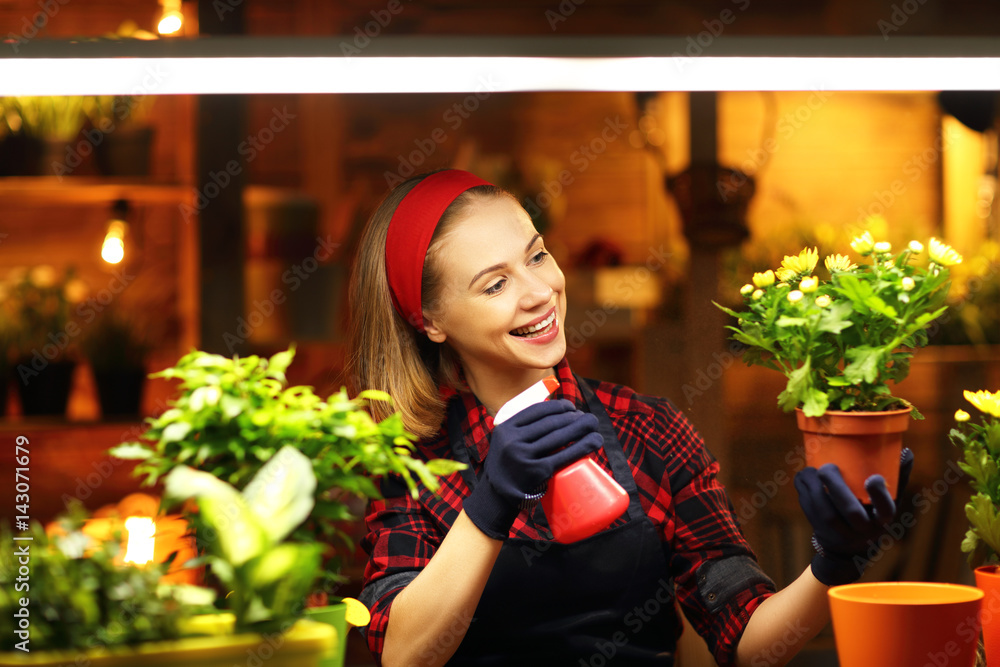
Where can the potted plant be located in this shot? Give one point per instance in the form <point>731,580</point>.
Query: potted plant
<point>235,414</point>
<point>979,443</point>
<point>123,615</point>
<point>125,145</point>
<point>74,597</point>
<point>38,134</point>
<point>842,342</point>
<point>117,348</point>
<point>39,302</point>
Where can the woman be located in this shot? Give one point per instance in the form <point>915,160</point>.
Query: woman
<point>457,307</point>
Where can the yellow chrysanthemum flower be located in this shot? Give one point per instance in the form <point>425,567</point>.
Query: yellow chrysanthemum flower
<point>809,284</point>
<point>757,294</point>
<point>799,265</point>
<point>836,263</point>
<point>822,301</point>
<point>988,402</point>
<point>944,254</point>
<point>784,275</point>
<point>916,247</point>
<point>883,247</point>
<point>765,279</point>
<point>746,289</point>
<point>908,284</point>
<point>795,295</point>
<point>962,416</point>
<point>864,244</point>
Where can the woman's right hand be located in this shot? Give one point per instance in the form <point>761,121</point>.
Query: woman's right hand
<point>525,451</point>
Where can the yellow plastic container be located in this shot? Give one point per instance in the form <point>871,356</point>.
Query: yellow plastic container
<point>303,645</point>
<point>905,624</point>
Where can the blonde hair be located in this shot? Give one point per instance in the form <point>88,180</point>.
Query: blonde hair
<point>384,351</point>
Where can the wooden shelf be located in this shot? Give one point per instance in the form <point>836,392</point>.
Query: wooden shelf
<point>40,190</point>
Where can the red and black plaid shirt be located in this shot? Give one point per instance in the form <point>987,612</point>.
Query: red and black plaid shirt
<point>678,490</point>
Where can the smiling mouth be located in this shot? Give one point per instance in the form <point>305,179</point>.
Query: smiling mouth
<point>536,330</point>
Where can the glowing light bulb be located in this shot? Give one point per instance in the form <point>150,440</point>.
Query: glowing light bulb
<point>113,248</point>
<point>170,23</point>
<point>141,540</point>
<point>171,20</point>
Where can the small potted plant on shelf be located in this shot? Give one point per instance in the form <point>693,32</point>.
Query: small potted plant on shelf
<point>979,442</point>
<point>37,136</point>
<point>842,342</point>
<point>126,141</point>
<point>39,301</point>
<point>234,414</point>
<point>116,347</point>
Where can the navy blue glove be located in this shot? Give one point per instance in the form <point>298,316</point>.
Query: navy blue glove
<point>845,531</point>
<point>524,452</point>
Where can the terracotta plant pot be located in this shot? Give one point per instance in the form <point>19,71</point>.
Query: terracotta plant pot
<point>905,623</point>
<point>861,444</point>
<point>988,581</point>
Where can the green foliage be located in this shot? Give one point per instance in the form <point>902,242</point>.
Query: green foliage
<point>980,446</point>
<point>79,602</point>
<point>234,414</point>
<point>843,341</point>
<point>244,533</point>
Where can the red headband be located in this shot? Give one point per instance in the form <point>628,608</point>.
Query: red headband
<point>409,235</point>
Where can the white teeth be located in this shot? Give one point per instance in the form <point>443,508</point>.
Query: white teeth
<point>535,327</point>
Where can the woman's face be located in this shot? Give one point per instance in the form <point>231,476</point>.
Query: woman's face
<point>503,301</point>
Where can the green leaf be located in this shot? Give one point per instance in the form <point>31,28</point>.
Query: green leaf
<point>236,534</point>
<point>834,318</point>
<point>798,385</point>
<point>281,494</point>
<point>175,432</point>
<point>279,363</point>
<point>375,395</point>
<point>444,467</point>
<point>131,451</point>
<point>815,404</point>
<point>864,364</point>
<point>786,321</point>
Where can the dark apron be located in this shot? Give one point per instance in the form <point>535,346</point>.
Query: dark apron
<point>607,599</point>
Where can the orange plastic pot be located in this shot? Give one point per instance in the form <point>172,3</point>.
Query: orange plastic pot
<point>582,500</point>
<point>905,624</point>
<point>861,444</point>
<point>988,581</point>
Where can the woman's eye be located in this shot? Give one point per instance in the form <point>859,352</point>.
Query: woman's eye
<point>495,287</point>
<point>540,257</point>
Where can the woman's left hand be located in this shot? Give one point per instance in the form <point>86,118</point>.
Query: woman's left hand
<point>846,532</point>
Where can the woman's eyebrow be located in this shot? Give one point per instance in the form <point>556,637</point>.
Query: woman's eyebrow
<point>502,264</point>
<point>485,271</point>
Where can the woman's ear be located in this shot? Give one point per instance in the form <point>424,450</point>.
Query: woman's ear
<point>432,330</point>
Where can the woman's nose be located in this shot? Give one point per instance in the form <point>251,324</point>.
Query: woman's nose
<point>537,292</point>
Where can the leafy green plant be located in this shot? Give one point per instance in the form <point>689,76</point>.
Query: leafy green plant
<point>37,304</point>
<point>243,533</point>
<point>840,342</point>
<point>77,597</point>
<point>234,414</point>
<point>980,445</point>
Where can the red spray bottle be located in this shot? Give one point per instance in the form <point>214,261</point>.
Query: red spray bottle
<point>581,499</point>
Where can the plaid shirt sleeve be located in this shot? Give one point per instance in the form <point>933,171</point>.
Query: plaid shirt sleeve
<point>719,583</point>
<point>402,537</point>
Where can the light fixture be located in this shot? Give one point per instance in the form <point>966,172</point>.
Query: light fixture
<point>482,65</point>
<point>113,247</point>
<point>171,20</point>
